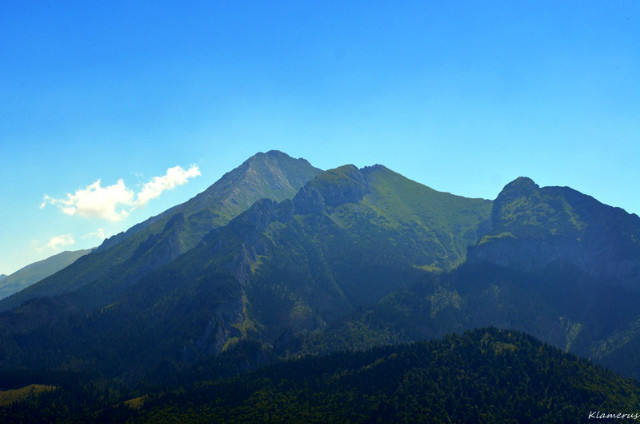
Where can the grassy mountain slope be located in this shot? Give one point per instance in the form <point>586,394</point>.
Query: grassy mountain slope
<point>125,258</point>
<point>481,376</point>
<point>36,271</point>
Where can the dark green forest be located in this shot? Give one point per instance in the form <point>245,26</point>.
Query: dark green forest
<point>480,376</point>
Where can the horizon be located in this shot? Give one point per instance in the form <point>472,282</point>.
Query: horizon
<point>113,113</point>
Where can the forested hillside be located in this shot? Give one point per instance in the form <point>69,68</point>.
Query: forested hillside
<point>482,376</point>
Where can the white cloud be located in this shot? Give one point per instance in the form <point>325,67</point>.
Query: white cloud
<point>115,202</point>
<point>37,246</point>
<point>95,201</point>
<point>99,233</point>
<point>59,241</point>
<point>175,176</point>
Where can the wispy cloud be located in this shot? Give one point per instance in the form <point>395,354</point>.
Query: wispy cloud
<point>100,233</point>
<point>58,241</point>
<point>175,176</point>
<point>115,202</point>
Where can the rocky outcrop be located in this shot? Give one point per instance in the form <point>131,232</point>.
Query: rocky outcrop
<point>332,188</point>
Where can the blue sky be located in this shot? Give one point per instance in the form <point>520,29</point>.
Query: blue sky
<point>462,96</point>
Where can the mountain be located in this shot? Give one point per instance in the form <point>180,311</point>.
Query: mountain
<point>125,258</point>
<point>357,258</point>
<point>35,272</point>
<point>3,276</point>
<point>536,228</point>
<point>578,259</point>
<point>481,376</point>
<point>348,238</point>
<point>554,263</point>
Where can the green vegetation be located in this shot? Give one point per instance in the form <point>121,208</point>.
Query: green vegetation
<point>449,223</point>
<point>482,376</point>
<point>489,237</point>
<point>10,396</point>
<point>525,210</point>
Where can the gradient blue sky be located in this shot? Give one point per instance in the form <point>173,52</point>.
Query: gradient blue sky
<point>460,96</point>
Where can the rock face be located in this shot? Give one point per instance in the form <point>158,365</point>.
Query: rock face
<point>534,228</point>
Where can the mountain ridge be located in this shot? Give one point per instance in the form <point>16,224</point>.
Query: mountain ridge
<point>354,259</point>
<point>113,265</point>
<point>242,280</point>
<point>32,273</point>
<point>554,263</point>
<point>582,232</point>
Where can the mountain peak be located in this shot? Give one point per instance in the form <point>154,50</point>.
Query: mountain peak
<point>520,188</point>
<point>158,240</point>
<point>535,227</point>
<point>276,155</point>
<point>521,185</point>
<point>376,167</point>
<point>273,154</point>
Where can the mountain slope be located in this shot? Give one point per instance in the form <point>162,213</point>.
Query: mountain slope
<point>341,243</point>
<point>555,263</point>
<point>125,258</point>
<point>36,271</point>
<point>585,257</point>
<point>348,238</point>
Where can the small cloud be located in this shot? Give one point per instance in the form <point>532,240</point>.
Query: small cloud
<point>58,241</point>
<point>37,246</point>
<point>175,176</point>
<point>115,202</point>
<point>100,233</point>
